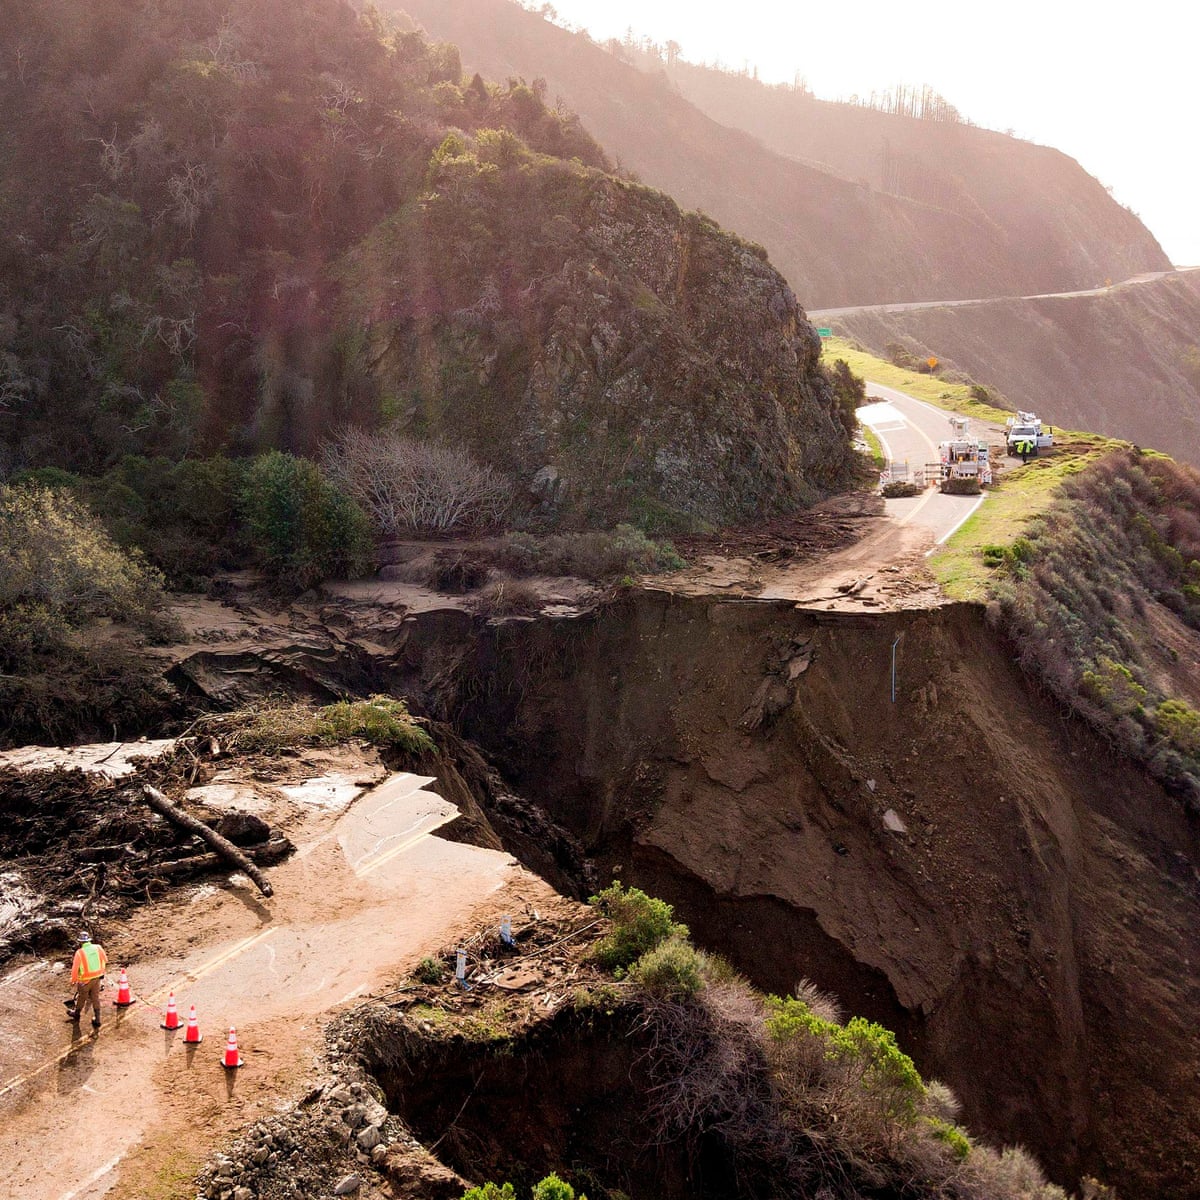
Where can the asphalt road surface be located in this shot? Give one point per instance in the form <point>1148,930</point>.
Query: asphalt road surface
<point>910,431</point>
<point>83,1114</point>
<point>907,306</point>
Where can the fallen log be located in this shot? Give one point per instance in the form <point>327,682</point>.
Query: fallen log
<point>225,848</point>
<point>266,854</point>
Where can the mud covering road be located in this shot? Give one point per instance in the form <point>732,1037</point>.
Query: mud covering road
<point>129,1110</point>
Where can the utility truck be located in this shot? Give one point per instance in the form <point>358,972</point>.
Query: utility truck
<point>1026,427</point>
<point>966,465</point>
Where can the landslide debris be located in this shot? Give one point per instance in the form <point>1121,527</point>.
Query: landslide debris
<point>80,847</point>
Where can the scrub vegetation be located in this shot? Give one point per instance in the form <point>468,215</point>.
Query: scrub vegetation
<point>1089,591</point>
<point>269,728</point>
<point>794,1100</point>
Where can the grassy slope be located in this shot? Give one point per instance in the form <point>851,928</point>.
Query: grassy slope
<point>1024,492</point>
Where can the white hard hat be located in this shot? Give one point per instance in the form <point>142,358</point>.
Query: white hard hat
<point>85,936</point>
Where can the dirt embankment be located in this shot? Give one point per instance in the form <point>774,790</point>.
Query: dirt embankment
<point>962,864</point>
<point>1125,363</point>
<point>1029,933</point>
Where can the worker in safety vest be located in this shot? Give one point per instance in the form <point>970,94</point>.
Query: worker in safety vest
<point>1024,449</point>
<point>87,970</point>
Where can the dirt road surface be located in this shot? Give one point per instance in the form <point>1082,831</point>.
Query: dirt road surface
<point>884,566</point>
<point>130,1109</point>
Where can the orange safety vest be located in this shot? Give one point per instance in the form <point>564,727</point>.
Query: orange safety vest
<point>90,963</point>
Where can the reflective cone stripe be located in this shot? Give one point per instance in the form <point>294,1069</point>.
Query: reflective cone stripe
<point>192,1036</point>
<point>124,999</point>
<point>231,1058</point>
<point>171,1019</point>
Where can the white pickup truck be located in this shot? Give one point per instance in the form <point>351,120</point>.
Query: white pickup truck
<point>1026,427</point>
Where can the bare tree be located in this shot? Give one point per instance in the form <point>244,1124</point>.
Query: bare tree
<point>407,486</point>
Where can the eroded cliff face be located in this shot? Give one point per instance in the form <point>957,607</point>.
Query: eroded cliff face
<point>1030,932</point>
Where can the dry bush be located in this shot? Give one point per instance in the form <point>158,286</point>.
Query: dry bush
<point>406,486</point>
<point>507,598</point>
<point>456,571</point>
<point>943,1103</point>
<point>710,1076</point>
<point>822,1003</point>
<point>1011,1174</point>
<point>595,554</point>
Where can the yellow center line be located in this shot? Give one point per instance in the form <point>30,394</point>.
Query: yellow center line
<point>221,959</point>
<point>20,1079</point>
<point>408,844</point>
<point>908,516</point>
<point>152,997</point>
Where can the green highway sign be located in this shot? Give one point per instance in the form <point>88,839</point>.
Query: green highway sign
<point>824,332</point>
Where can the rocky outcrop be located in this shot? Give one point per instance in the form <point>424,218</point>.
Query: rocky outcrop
<point>634,361</point>
<point>353,234</point>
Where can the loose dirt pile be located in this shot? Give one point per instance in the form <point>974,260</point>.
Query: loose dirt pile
<point>80,847</point>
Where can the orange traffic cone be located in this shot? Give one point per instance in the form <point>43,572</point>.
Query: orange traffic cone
<point>124,999</point>
<point>232,1058</point>
<point>171,1019</point>
<point>192,1036</point>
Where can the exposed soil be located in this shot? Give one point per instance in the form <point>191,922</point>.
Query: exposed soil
<point>963,864</point>
<point>1029,933</point>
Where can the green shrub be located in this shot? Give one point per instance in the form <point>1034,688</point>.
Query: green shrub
<point>553,1188</point>
<point>429,971</point>
<point>867,1048</point>
<point>57,559</point>
<point>490,1191</point>
<point>1179,723</point>
<point>301,527</point>
<point>672,970</point>
<point>60,573</point>
<point>1113,687</point>
<point>380,720</point>
<point>640,923</point>
<point>952,1136</point>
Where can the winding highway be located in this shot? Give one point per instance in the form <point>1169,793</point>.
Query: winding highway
<point>911,305</point>
<point>909,431</point>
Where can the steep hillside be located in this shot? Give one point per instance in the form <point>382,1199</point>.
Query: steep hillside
<point>1029,931</point>
<point>1018,219</point>
<point>239,226</point>
<point>1056,221</point>
<point>1125,363</point>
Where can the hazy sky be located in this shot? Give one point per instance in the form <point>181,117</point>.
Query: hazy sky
<point>1113,86</point>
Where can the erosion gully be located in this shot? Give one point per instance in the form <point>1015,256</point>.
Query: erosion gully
<point>947,853</point>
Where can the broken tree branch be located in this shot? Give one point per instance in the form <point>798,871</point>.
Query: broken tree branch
<point>222,846</point>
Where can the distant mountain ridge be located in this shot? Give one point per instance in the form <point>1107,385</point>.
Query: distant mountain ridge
<point>906,209</point>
